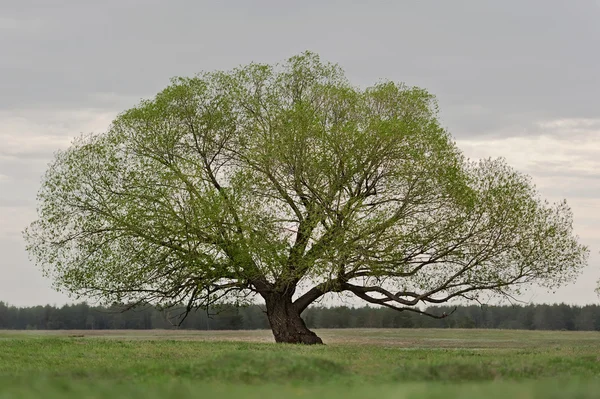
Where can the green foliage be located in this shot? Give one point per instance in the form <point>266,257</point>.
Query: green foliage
<point>266,179</point>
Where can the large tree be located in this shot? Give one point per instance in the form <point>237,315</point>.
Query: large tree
<point>287,182</point>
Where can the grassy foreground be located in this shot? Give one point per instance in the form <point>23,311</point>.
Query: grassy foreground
<point>355,364</point>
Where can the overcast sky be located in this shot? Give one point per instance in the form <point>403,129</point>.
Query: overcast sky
<point>518,79</point>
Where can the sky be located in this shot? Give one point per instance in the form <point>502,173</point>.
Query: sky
<point>517,79</point>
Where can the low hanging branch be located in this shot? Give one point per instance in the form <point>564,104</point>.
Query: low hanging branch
<point>266,179</point>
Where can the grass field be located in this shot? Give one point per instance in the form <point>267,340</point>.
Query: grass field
<point>399,363</point>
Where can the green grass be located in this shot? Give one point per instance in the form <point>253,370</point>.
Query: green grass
<point>187,390</point>
<point>355,363</point>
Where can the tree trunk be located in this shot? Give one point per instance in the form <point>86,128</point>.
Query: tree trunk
<point>286,323</point>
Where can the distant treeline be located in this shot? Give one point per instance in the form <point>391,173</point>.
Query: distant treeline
<point>83,317</point>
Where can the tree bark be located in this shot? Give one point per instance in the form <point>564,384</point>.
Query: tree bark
<point>286,323</point>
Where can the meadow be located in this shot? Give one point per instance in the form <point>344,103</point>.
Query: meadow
<point>354,363</point>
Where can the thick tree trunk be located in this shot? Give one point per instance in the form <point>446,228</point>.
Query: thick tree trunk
<point>286,323</point>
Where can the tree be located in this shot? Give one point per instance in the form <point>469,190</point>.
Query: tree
<point>287,183</point>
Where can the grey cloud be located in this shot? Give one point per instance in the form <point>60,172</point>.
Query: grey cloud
<point>499,69</point>
<point>19,187</point>
<point>35,134</point>
<point>12,202</point>
<point>516,60</point>
<point>559,169</point>
<point>572,130</point>
<point>578,190</point>
<point>23,168</point>
<point>22,284</point>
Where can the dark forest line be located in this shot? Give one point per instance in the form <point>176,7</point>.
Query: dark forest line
<point>83,317</point>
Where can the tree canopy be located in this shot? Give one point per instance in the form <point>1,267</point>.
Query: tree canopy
<point>288,182</point>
